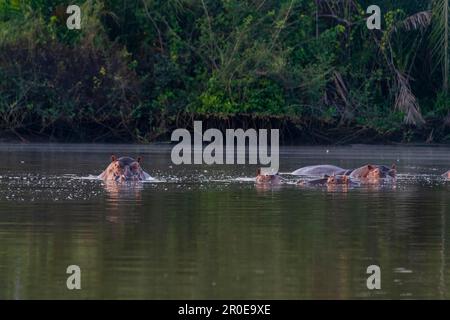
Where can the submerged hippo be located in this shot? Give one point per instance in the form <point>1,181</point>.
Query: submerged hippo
<point>124,169</point>
<point>340,180</point>
<point>374,172</point>
<point>267,178</point>
<point>333,180</point>
<point>319,170</point>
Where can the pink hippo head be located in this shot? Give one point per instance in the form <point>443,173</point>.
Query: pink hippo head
<point>123,169</point>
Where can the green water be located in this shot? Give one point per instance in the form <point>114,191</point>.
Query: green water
<point>206,232</point>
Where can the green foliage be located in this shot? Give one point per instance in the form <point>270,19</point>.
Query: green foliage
<point>442,105</point>
<point>140,62</point>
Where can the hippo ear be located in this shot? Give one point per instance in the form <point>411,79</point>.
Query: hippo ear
<point>139,159</point>
<point>370,167</point>
<point>394,167</point>
<point>113,158</point>
<point>258,172</point>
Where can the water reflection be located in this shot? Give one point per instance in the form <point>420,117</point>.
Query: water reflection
<point>119,193</point>
<point>209,232</point>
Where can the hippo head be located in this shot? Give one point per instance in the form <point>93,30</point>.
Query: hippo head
<point>446,175</point>
<point>393,171</point>
<point>335,180</point>
<point>124,169</point>
<point>267,178</point>
<point>381,172</point>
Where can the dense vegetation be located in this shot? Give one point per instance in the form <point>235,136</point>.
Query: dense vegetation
<point>138,69</point>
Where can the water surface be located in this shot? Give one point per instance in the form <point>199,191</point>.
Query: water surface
<point>206,232</point>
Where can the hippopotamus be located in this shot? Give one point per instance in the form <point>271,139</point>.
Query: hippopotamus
<point>340,180</point>
<point>273,179</point>
<point>369,171</point>
<point>320,170</point>
<point>124,169</point>
<point>317,182</point>
<point>333,180</point>
<point>374,172</point>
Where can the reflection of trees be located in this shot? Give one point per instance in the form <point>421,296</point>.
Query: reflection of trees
<point>117,193</point>
<point>233,242</point>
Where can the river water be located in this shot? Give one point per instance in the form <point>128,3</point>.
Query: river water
<point>207,232</point>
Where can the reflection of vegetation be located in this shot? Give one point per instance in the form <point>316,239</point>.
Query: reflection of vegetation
<point>136,68</point>
<point>211,244</point>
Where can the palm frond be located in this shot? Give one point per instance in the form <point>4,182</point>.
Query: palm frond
<point>406,102</point>
<point>439,38</point>
<point>419,20</point>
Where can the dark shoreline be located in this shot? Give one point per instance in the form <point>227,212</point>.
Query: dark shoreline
<point>293,131</point>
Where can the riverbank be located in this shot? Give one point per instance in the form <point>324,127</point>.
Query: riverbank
<point>293,130</point>
<point>154,68</point>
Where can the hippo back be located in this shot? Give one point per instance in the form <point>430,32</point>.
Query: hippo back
<point>316,182</point>
<point>320,170</point>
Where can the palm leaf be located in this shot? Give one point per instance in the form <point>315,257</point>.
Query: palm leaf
<point>406,102</point>
<point>439,38</point>
<point>419,20</point>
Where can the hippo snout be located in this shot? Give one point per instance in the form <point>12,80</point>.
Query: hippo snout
<point>127,175</point>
